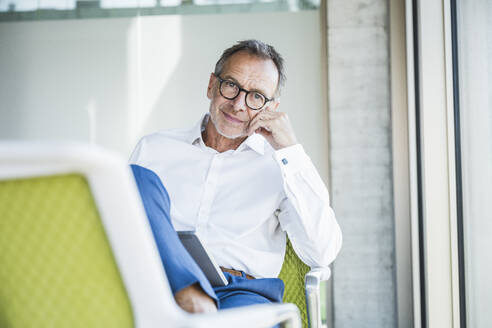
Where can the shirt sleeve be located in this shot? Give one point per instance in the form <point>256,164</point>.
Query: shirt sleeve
<point>305,214</point>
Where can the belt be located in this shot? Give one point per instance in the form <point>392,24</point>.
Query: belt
<point>236,273</point>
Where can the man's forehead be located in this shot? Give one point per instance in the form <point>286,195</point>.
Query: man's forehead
<point>254,68</point>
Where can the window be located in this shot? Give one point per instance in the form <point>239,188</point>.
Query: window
<point>14,10</point>
<point>475,84</point>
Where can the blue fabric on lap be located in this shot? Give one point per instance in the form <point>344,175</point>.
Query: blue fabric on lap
<point>242,291</point>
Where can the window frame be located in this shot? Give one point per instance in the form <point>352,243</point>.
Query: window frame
<point>434,152</point>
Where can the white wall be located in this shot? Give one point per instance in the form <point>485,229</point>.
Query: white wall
<point>110,81</point>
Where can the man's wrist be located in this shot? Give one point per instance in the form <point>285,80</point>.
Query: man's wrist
<point>291,159</point>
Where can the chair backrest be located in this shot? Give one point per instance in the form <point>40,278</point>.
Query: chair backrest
<point>76,249</point>
<point>57,268</point>
<point>292,273</point>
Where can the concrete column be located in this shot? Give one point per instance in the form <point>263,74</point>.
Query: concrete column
<point>364,287</point>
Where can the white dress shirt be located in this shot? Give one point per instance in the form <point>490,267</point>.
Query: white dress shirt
<point>242,202</point>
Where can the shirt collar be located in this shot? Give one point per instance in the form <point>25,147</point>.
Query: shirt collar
<point>255,142</point>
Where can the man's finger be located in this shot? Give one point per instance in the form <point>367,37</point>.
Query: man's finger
<point>266,115</point>
<point>262,118</point>
<point>257,123</point>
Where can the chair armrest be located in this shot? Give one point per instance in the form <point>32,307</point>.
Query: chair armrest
<point>313,302</point>
<point>258,316</point>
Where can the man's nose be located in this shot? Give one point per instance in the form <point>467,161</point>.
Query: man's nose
<point>239,103</point>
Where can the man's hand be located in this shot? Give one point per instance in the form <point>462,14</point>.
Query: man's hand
<point>194,300</point>
<point>275,127</point>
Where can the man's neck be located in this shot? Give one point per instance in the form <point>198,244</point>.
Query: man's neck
<point>215,140</point>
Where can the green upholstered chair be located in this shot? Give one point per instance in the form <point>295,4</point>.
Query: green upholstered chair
<point>57,265</point>
<point>302,287</point>
<point>76,249</point>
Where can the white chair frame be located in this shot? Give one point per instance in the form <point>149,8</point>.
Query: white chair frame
<point>129,234</point>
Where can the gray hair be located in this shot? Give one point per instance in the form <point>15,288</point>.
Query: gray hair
<point>255,48</point>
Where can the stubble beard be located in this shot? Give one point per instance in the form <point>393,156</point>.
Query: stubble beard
<point>213,118</point>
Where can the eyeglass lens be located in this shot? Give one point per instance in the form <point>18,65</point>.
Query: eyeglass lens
<point>230,90</point>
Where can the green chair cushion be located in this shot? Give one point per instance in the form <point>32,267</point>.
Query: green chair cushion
<point>56,266</point>
<point>292,273</point>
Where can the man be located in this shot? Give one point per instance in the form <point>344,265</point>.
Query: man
<point>242,182</point>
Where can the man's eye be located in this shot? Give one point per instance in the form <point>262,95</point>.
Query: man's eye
<point>230,84</point>
<point>258,96</point>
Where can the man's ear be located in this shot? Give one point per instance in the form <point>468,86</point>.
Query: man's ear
<point>210,88</point>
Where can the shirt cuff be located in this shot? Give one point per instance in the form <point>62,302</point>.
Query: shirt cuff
<point>291,159</point>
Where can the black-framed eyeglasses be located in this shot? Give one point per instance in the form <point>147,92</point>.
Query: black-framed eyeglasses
<point>230,90</point>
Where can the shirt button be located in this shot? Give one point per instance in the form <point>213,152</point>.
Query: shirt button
<point>285,161</point>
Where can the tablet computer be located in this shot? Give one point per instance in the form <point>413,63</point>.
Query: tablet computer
<point>197,250</point>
